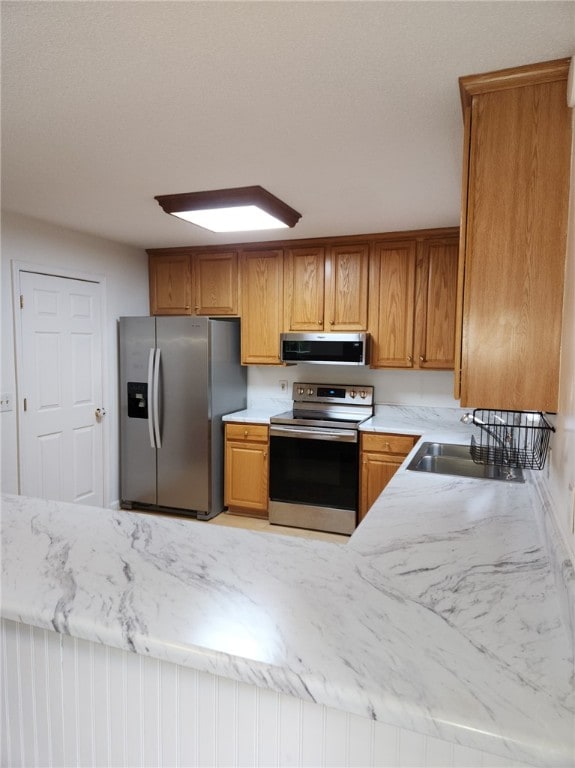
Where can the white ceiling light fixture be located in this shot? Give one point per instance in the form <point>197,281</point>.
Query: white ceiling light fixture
<point>241,209</point>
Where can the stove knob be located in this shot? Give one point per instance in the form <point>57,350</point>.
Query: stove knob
<point>352,393</point>
<point>300,390</point>
<point>310,391</point>
<point>363,393</point>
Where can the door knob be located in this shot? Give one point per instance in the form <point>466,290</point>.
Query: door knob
<point>99,413</point>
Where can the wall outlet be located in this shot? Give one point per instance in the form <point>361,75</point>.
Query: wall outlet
<point>6,402</point>
<point>283,385</point>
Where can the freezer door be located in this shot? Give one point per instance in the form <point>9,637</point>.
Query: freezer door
<point>137,456</point>
<point>183,458</point>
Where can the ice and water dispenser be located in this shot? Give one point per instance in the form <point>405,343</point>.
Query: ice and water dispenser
<point>137,400</point>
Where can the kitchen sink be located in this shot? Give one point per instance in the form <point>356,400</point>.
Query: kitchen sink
<point>449,459</point>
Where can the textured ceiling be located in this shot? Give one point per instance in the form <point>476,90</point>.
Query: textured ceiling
<point>348,111</point>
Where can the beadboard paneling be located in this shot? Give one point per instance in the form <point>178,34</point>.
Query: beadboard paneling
<point>69,702</point>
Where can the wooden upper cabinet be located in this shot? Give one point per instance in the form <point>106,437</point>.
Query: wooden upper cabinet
<point>215,283</point>
<point>170,284</point>
<point>514,224</point>
<point>326,287</point>
<point>261,277</point>
<point>190,282</point>
<point>392,303</point>
<point>304,288</point>
<point>435,302</point>
<point>346,287</point>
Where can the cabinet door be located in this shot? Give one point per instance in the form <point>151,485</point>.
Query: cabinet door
<point>261,306</point>
<point>516,222</point>
<point>246,469</point>
<point>215,280</point>
<point>381,456</point>
<point>170,285</point>
<point>346,280</point>
<point>377,469</point>
<point>304,278</point>
<point>436,291</point>
<point>392,291</point>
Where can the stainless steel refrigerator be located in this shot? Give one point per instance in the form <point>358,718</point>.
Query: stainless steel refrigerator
<point>178,377</point>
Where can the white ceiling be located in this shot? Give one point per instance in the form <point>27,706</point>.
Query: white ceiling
<point>349,111</point>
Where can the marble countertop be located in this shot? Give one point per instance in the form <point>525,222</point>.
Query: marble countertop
<point>440,615</point>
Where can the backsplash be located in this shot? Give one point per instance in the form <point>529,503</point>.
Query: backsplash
<point>393,387</point>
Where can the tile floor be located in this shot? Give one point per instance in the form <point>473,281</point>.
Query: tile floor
<point>256,524</point>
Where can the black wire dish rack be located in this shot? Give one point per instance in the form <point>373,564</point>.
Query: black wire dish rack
<point>517,439</point>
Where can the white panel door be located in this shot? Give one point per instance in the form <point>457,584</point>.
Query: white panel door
<point>61,353</point>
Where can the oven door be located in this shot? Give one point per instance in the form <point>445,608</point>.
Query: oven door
<point>314,477</point>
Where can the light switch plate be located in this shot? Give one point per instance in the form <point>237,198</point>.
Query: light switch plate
<point>5,402</point>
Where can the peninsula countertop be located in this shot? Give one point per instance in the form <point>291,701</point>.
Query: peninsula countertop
<point>440,615</point>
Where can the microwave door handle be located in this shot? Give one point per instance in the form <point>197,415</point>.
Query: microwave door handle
<point>151,357</point>
<point>156,400</point>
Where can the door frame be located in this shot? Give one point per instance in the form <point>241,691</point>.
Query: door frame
<point>71,274</point>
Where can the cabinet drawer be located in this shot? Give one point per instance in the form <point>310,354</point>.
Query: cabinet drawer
<point>254,432</point>
<point>388,443</point>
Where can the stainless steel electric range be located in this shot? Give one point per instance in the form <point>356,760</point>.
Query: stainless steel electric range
<point>314,457</point>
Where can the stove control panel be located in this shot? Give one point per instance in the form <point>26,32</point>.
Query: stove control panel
<point>345,394</point>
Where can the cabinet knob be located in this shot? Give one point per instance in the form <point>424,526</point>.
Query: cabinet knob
<point>332,322</point>
<point>410,358</point>
<point>320,322</point>
<point>245,432</point>
<point>421,359</point>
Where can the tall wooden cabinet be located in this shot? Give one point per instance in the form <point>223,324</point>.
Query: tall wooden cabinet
<point>326,287</point>
<point>513,236</point>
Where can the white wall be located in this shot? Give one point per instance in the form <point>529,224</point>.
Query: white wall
<point>562,464</point>
<point>126,271</point>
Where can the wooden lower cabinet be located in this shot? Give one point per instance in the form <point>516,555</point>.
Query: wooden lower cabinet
<point>247,469</point>
<point>381,456</point>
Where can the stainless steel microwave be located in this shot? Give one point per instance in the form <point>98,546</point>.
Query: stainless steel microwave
<point>325,348</point>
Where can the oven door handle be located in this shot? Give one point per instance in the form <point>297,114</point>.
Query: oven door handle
<point>315,433</point>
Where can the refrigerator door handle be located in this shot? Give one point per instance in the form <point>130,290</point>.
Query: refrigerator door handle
<point>151,357</point>
<point>156,396</point>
